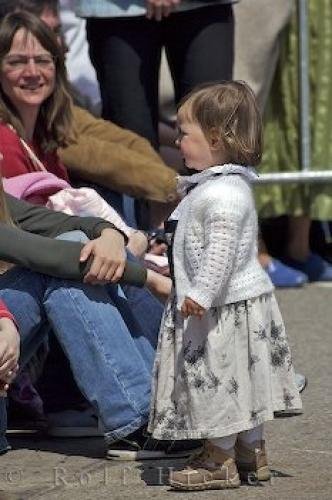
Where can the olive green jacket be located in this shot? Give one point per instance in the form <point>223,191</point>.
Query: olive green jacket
<point>40,252</point>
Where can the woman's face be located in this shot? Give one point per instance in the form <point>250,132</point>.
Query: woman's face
<point>27,73</point>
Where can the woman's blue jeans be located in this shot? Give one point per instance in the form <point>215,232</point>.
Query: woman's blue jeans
<point>111,359</point>
<point>3,427</point>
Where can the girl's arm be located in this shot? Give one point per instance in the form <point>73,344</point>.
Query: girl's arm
<point>222,227</point>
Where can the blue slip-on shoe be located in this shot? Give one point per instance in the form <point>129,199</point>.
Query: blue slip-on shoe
<point>315,267</point>
<point>301,381</point>
<point>283,276</point>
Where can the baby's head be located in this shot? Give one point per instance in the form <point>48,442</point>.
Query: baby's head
<point>228,116</point>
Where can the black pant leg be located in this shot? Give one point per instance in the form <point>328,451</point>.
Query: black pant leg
<point>126,55</point>
<point>200,46</point>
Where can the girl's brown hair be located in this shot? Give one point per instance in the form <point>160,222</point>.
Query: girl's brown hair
<point>228,112</point>
<point>55,116</point>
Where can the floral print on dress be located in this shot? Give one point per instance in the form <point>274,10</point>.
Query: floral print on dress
<point>280,352</point>
<point>194,371</point>
<point>202,388</point>
<point>233,386</point>
<point>253,359</point>
<point>261,333</point>
<point>288,399</point>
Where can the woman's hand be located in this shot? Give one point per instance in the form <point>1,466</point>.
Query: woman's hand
<point>191,308</point>
<point>9,352</point>
<point>157,9</point>
<point>109,257</point>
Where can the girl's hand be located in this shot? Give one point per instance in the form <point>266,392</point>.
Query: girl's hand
<point>191,308</point>
<point>9,350</point>
<point>157,9</point>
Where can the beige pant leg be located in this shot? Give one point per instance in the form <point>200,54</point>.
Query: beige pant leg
<point>258,25</point>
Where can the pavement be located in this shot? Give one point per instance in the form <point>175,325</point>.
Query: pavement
<point>299,448</point>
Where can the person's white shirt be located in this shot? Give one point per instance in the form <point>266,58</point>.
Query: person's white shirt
<point>80,70</point>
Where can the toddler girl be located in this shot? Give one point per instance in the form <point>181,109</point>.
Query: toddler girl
<point>223,365</point>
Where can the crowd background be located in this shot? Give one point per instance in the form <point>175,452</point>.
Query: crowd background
<point>121,122</point>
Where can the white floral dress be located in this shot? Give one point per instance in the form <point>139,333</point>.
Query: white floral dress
<point>228,380</point>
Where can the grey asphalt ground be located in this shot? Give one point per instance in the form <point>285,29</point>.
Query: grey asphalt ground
<point>300,448</point>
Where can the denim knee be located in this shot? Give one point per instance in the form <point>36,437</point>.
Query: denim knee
<point>76,235</point>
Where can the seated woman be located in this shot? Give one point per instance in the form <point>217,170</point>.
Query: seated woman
<point>111,364</point>
<point>35,113</point>
<point>36,109</point>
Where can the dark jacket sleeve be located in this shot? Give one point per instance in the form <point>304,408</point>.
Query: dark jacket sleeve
<point>40,220</point>
<point>44,254</point>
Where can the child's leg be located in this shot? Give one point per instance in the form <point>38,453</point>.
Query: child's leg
<point>249,437</point>
<point>250,455</point>
<point>226,443</point>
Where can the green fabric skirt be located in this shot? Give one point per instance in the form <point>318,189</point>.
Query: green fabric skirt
<point>282,121</point>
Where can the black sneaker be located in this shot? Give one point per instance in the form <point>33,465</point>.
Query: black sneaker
<point>138,446</point>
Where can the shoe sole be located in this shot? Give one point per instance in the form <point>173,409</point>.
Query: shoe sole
<point>26,431</point>
<point>287,413</point>
<point>145,455</point>
<point>74,432</point>
<point>220,484</point>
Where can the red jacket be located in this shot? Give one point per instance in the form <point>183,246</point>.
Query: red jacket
<point>16,161</point>
<point>4,313</point>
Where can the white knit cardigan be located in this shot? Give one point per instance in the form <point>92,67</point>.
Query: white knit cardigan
<point>215,243</point>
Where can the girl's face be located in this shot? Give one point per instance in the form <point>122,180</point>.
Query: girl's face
<point>27,73</point>
<point>195,149</point>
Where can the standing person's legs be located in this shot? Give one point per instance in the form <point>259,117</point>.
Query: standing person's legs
<point>255,62</point>
<point>126,55</point>
<point>256,56</point>
<point>200,47</point>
